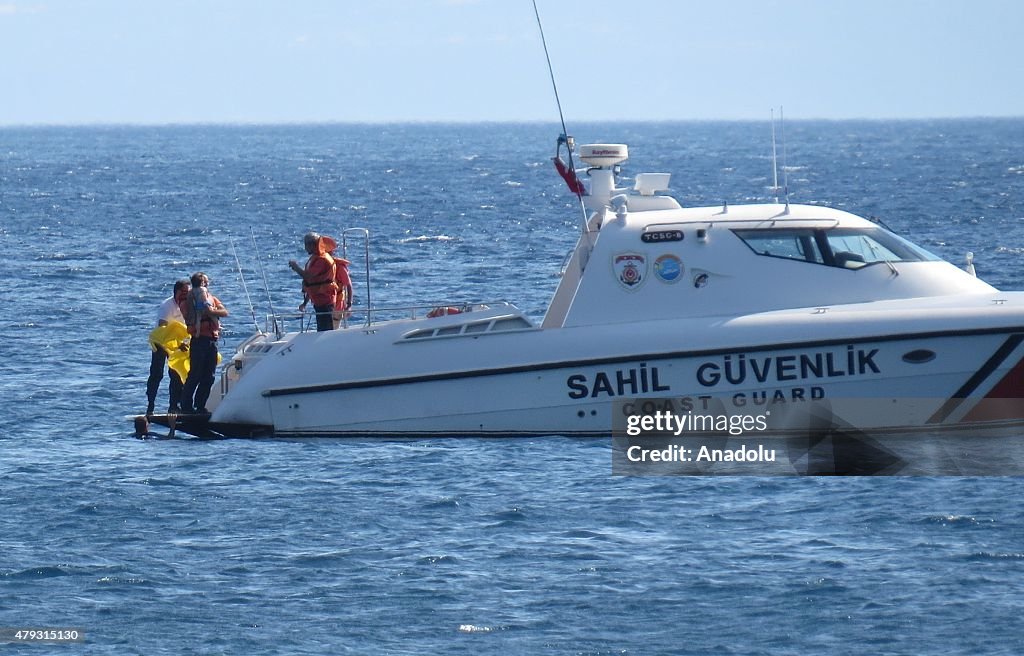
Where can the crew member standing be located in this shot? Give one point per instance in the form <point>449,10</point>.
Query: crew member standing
<point>318,283</point>
<point>203,312</point>
<point>169,311</point>
<point>343,303</point>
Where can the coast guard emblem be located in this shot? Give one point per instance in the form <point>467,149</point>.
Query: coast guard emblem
<point>668,268</point>
<point>630,270</point>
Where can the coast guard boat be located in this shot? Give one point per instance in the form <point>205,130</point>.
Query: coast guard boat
<point>753,305</point>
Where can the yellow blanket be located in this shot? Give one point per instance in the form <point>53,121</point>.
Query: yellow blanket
<point>170,338</point>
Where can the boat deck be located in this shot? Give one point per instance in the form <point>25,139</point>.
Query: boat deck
<point>197,426</point>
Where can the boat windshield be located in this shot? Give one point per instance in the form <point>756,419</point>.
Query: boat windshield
<point>847,248</point>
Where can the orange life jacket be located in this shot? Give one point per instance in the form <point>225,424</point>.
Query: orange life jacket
<point>193,308</point>
<point>322,290</point>
<point>344,283</point>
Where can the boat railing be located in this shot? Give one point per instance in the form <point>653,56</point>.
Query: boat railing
<point>356,234</point>
<point>565,262</point>
<point>363,317</point>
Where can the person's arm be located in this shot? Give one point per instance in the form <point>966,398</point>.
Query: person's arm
<point>165,314</point>
<point>214,307</point>
<point>298,269</point>
<point>318,271</point>
<point>311,273</point>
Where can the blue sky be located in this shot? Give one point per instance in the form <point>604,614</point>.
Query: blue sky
<point>185,61</point>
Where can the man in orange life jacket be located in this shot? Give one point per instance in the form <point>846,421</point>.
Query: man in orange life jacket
<point>318,283</point>
<point>202,311</point>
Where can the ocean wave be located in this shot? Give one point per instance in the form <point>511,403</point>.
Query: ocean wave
<point>427,238</point>
<point>956,520</point>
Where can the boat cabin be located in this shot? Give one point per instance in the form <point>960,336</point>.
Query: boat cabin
<point>645,257</point>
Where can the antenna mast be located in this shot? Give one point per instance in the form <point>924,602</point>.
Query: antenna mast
<point>558,102</point>
<point>245,287</point>
<point>551,72</point>
<point>785,173</point>
<point>775,159</point>
<point>266,287</point>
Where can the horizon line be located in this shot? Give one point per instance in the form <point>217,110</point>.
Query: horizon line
<point>382,122</point>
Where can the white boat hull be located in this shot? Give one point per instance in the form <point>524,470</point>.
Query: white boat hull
<point>733,308</point>
<point>552,382</point>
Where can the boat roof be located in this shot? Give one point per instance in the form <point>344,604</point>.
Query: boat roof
<point>771,214</point>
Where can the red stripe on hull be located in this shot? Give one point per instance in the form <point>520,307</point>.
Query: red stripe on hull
<point>1004,401</point>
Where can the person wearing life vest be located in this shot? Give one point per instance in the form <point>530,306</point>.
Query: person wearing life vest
<point>202,312</point>
<point>318,283</point>
<point>169,311</point>
<point>343,301</point>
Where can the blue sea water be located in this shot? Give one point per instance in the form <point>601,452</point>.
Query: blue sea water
<point>466,546</point>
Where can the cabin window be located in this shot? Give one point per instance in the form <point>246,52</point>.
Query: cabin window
<point>789,243</point>
<point>514,323</point>
<point>845,248</point>
<point>853,248</point>
<point>487,326</point>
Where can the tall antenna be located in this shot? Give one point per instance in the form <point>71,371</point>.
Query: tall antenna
<point>775,160</point>
<point>558,102</point>
<point>551,72</point>
<point>785,172</point>
<point>774,157</point>
<point>266,287</point>
<point>245,287</point>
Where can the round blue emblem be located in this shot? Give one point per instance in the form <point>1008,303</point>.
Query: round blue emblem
<point>668,268</point>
